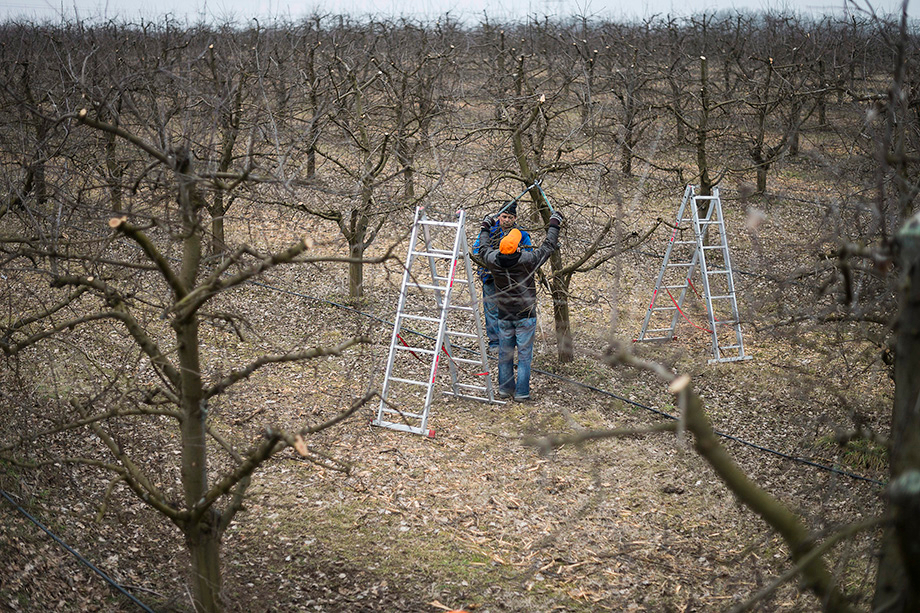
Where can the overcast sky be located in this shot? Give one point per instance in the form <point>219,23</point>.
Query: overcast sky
<point>469,11</point>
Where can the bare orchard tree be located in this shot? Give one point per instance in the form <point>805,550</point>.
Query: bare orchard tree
<point>358,145</point>
<point>125,299</point>
<point>535,122</point>
<point>875,279</point>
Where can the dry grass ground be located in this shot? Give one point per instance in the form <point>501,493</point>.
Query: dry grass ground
<point>475,518</point>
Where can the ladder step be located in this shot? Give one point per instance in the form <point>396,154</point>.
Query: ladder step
<point>458,307</point>
<point>461,334</point>
<point>443,224</point>
<point>419,317</point>
<point>435,254</point>
<point>414,349</point>
<point>481,399</point>
<point>401,413</point>
<point>441,288</point>
<point>467,361</point>
<point>711,247</point>
<point>710,222</point>
<point>723,347</point>
<point>738,358</point>
<point>467,386</point>
<point>668,308</point>
<point>680,265</point>
<point>732,296</point>
<point>409,381</point>
<point>403,427</point>
<point>684,242</point>
<point>456,279</point>
<point>719,272</point>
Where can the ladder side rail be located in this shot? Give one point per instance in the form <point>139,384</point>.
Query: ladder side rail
<point>477,309</point>
<point>400,307</point>
<point>440,340</point>
<point>730,279</point>
<point>694,263</point>
<point>705,276</point>
<point>446,306</point>
<point>664,265</point>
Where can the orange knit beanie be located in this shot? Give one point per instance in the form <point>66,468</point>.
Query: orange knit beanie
<point>511,241</point>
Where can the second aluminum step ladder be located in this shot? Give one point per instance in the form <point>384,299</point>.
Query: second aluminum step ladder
<point>685,254</point>
<point>438,309</point>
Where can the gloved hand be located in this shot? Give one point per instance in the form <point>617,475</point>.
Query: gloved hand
<point>487,222</point>
<point>555,219</point>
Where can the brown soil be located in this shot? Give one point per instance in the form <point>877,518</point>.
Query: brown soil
<point>475,518</point>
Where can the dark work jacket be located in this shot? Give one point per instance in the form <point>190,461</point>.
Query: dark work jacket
<point>515,288</point>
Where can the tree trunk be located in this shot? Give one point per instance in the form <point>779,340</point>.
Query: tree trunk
<point>203,541</point>
<point>217,210</point>
<point>702,131</point>
<point>762,178</point>
<point>626,146</point>
<point>559,289</point>
<point>898,585</point>
<point>356,235</point>
<point>356,269</point>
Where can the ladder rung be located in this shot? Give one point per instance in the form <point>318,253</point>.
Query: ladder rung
<point>710,222</point>
<point>435,254</point>
<point>467,361</point>
<point>718,272</point>
<point>658,330</point>
<point>722,297</point>
<point>684,242</point>
<point>458,307</point>
<point>441,288</point>
<point>445,224</point>
<point>461,334</point>
<point>414,349</point>
<point>723,347</point>
<point>409,381</point>
<point>657,338</point>
<point>669,308</point>
<point>713,247</point>
<point>401,413</point>
<point>680,265</point>
<point>456,279</point>
<point>403,427</point>
<point>684,286</point>
<point>467,386</point>
<point>419,317</point>
<point>479,398</point>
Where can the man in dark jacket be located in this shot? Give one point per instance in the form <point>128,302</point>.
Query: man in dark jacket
<point>513,271</point>
<point>504,223</point>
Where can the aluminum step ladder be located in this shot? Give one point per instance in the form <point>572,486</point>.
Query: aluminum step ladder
<point>693,247</point>
<point>442,312</point>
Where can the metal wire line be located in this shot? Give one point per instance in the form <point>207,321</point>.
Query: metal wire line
<point>77,555</point>
<point>604,392</point>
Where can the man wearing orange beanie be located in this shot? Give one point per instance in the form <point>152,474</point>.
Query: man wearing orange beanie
<point>513,271</point>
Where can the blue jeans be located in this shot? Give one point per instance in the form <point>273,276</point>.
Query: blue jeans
<point>490,310</point>
<point>515,333</point>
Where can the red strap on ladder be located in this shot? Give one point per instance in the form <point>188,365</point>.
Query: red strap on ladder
<point>684,315</point>
<point>444,349</point>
